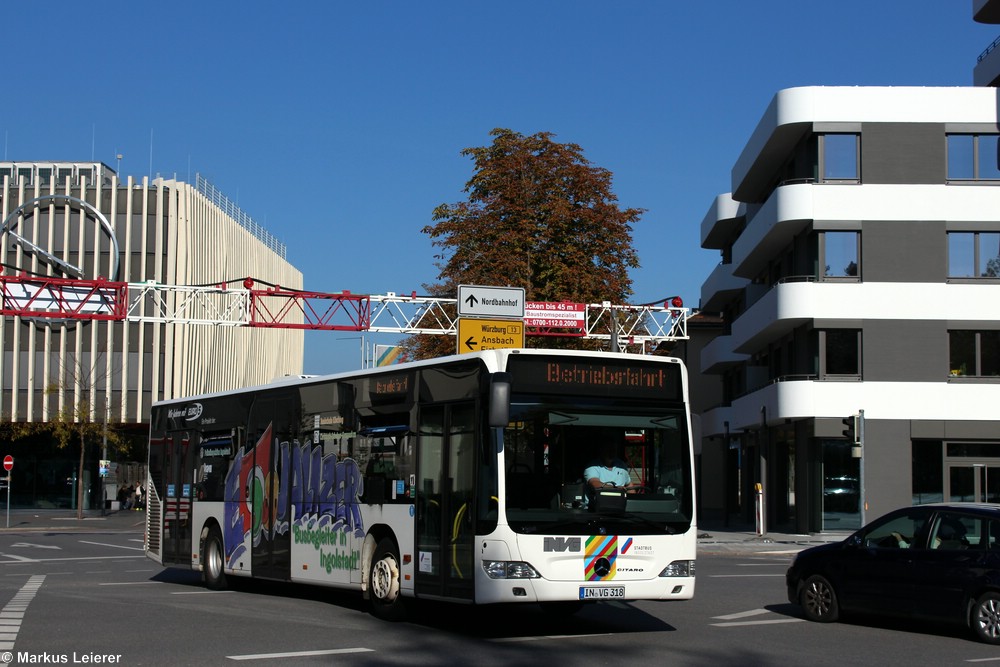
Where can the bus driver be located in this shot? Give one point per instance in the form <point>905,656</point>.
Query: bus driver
<point>607,469</point>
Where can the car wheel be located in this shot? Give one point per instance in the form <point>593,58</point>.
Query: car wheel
<point>213,561</point>
<point>383,583</point>
<point>986,617</point>
<point>818,600</point>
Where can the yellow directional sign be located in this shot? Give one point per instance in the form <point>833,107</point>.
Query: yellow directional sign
<point>475,335</point>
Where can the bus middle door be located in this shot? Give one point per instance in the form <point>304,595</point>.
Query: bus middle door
<point>177,477</point>
<point>444,508</point>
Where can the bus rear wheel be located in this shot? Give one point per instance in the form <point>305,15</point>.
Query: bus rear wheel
<point>213,561</point>
<point>383,582</point>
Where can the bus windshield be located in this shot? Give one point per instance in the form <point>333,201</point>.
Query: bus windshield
<point>570,471</point>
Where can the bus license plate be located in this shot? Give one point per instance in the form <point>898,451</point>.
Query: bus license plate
<point>602,592</point>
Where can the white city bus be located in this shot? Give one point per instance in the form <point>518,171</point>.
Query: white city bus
<point>458,478</point>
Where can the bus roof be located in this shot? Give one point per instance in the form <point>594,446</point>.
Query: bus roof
<point>493,359</point>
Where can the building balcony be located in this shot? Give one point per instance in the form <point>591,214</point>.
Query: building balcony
<point>794,113</point>
<point>720,288</point>
<point>722,222</point>
<point>788,305</point>
<point>714,420</point>
<point>719,354</point>
<point>987,69</point>
<point>986,11</point>
<point>809,398</point>
<point>792,208</point>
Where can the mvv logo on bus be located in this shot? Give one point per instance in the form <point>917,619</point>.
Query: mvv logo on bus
<point>561,544</point>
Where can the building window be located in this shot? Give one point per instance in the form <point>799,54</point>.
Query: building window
<point>927,472</point>
<point>840,353</point>
<point>974,254</point>
<point>973,157</point>
<point>839,252</point>
<point>841,486</point>
<point>974,353</point>
<point>839,158</point>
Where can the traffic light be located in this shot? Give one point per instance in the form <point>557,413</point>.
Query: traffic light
<point>850,428</point>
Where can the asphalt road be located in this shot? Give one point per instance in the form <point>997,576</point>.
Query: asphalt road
<point>83,593</point>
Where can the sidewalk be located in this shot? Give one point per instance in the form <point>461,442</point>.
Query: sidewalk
<point>65,519</point>
<point>737,539</point>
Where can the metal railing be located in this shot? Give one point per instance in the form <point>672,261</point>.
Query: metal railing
<point>237,214</point>
<point>996,42</point>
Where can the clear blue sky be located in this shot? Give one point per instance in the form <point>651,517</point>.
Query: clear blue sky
<point>339,125</point>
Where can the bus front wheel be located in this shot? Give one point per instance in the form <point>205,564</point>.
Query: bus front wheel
<point>213,560</point>
<point>383,582</point>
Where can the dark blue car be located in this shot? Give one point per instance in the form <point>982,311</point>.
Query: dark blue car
<point>939,561</point>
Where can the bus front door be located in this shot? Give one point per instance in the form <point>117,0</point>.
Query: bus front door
<point>445,493</point>
<point>177,475</point>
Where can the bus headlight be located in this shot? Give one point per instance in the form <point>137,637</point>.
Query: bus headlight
<point>679,568</point>
<point>509,569</point>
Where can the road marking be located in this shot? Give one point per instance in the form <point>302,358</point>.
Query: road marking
<point>20,559</point>
<point>742,614</point>
<point>127,583</point>
<point>732,622</point>
<point>13,612</point>
<point>502,640</point>
<point>773,622</point>
<point>37,546</point>
<point>297,654</point>
<point>116,546</point>
<point>199,592</point>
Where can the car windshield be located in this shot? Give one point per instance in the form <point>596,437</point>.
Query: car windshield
<point>640,457</point>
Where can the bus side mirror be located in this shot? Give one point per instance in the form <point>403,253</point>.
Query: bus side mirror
<point>499,398</point>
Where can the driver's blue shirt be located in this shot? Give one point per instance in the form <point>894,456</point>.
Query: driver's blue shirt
<point>616,474</point>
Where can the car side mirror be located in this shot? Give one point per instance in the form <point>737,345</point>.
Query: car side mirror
<point>854,540</point>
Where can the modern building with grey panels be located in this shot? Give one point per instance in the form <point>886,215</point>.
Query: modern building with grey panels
<point>859,273</point>
<point>164,232</point>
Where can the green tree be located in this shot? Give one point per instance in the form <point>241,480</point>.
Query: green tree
<point>539,215</point>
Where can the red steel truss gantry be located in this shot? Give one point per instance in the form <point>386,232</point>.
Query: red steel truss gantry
<point>243,304</point>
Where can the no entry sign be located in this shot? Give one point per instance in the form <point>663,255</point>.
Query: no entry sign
<point>8,463</point>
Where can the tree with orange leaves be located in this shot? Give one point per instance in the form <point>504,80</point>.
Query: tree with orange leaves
<point>540,216</point>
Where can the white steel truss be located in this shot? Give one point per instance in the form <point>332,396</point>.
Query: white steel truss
<point>68,299</point>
